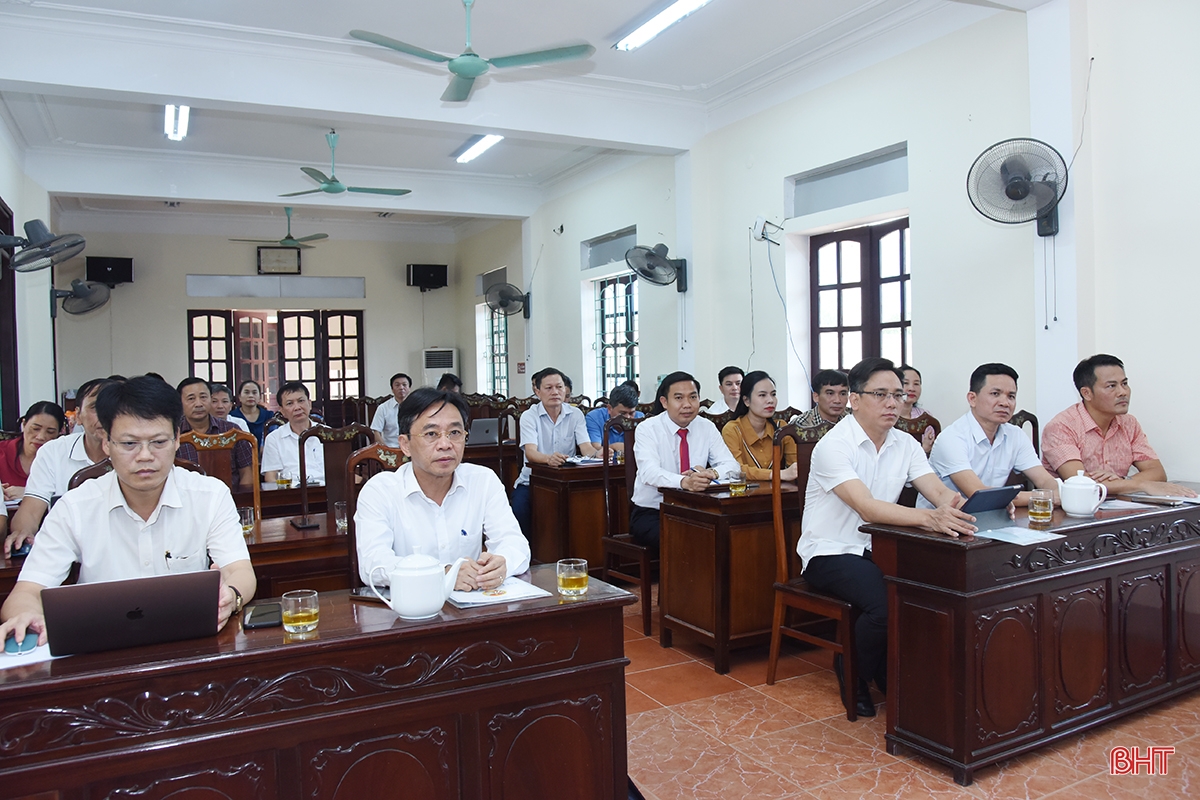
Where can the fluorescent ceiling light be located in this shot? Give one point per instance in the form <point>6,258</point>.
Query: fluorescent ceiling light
<point>477,147</point>
<point>663,20</point>
<point>175,124</point>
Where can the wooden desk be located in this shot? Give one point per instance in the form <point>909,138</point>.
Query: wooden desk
<point>996,649</point>
<point>520,701</point>
<point>568,511</point>
<point>717,567</point>
<point>488,455</point>
<point>277,502</point>
<point>285,558</point>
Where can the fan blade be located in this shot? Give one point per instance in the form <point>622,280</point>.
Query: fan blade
<point>315,174</point>
<point>543,56</point>
<point>393,44</point>
<point>393,192</point>
<point>458,90</point>
<point>257,241</point>
<point>297,194</point>
<point>312,237</point>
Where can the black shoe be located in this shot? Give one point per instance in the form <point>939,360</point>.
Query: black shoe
<point>863,704</point>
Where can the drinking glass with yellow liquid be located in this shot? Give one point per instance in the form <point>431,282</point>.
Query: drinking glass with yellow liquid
<point>738,484</point>
<point>1041,508</point>
<point>572,577</point>
<point>301,610</point>
<point>246,514</point>
<point>340,518</point>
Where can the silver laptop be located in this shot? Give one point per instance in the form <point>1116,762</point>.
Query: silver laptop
<point>484,431</point>
<point>94,617</point>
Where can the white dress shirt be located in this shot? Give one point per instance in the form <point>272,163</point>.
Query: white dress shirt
<point>656,448</point>
<point>562,435</point>
<point>281,453</point>
<point>718,407</point>
<point>830,527</point>
<point>394,518</point>
<point>195,520</point>
<point>238,421</point>
<point>53,466</point>
<point>387,422</point>
<point>963,445</point>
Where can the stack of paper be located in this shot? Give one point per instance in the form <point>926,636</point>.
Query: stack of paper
<point>510,591</point>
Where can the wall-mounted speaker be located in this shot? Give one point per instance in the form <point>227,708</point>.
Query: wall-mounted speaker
<point>103,269</point>
<point>427,276</point>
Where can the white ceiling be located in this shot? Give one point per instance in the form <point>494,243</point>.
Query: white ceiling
<point>82,87</point>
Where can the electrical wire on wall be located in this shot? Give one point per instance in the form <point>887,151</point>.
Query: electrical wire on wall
<point>786,319</point>
<point>750,259</point>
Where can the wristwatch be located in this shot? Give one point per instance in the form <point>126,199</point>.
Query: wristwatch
<point>237,602</point>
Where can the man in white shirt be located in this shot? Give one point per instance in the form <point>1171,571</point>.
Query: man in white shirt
<point>674,448</point>
<point>146,517</point>
<point>729,383</point>
<point>281,449</point>
<point>437,505</point>
<point>220,403</point>
<point>980,449</point>
<point>55,464</point>
<point>384,422</point>
<point>857,472</point>
<point>550,432</point>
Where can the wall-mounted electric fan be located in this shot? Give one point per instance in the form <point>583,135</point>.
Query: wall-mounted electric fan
<point>83,296</point>
<point>40,248</point>
<point>507,299</point>
<point>1019,180</point>
<point>652,264</point>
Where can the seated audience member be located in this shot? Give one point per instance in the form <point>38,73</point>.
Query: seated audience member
<point>281,451</point>
<point>1099,436</point>
<point>220,400</point>
<point>674,448</point>
<point>857,472</point>
<point>384,423</point>
<point>622,402</point>
<point>750,435</point>
<point>249,411</point>
<point>550,431</point>
<point>144,518</point>
<point>437,505</point>
<point>42,423</point>
<point>450,383</point>
<point>980,449</point>
<point>729,383</point>
<point>197,416</point>
<point>830,392</point>
<point>57,461</point>
<point>910,409</point>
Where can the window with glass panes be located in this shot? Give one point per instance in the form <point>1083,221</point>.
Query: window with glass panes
<point>617,357</point>
<point>860,297</point>
<point>497,352</point>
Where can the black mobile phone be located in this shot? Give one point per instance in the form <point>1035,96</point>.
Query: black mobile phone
<point>262,615</point>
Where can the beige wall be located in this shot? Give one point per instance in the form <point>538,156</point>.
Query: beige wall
<point>499,245</point>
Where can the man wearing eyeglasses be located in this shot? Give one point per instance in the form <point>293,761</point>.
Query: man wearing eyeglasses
<point>144,518</point>
<point>858,470</point>
<point>437,505</point>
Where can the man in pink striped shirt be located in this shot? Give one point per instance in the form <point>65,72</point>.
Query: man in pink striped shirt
<point>1101,437</point>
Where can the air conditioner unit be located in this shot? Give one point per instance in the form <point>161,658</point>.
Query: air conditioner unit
<point>437,361</point>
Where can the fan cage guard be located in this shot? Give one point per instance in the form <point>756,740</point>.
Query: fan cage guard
<point>986,187</point>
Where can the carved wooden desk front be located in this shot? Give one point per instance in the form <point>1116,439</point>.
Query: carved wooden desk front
<point>521,701</point>
<point>996,649</point>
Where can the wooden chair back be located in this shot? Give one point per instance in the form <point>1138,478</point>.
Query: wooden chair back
<point>787,563</point>
<point>361,466</point>
<point>338,443</point>
<point>582,402</point>
<point>9,435</point>
<point>104,467</point>
<point>215,452</point>
<point>1023,418</point>
<point>915,427</point>
<point>720,420</point>
<point>614,524</point>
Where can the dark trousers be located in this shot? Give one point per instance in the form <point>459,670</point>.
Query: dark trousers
<point>643,525</point>
<point>859,582</point>
<point>522,506</point>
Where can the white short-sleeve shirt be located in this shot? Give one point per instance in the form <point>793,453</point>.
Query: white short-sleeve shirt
<point>387,422</point>
<point>281,453</point>
<point>195,520</point>
<point>562,435</point>
<point>963,445</point>
<point>829,526</point>
<point>53,466</point>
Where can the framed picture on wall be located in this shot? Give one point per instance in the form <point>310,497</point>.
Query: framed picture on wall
<point>279,261</point>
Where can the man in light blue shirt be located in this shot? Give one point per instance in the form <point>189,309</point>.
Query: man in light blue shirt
<point>622,402</point>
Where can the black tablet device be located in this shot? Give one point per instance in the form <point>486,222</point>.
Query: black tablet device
<point>991,499</point>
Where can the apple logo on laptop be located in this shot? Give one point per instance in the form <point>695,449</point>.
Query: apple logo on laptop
<point>135,614</point>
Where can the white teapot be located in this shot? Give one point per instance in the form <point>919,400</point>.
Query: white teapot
<point>419,585</point>
<point>1081,495</point>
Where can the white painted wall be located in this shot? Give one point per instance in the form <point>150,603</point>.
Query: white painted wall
<point>496,246</point>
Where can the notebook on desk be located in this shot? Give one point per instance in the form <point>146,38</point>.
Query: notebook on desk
<point>94,617</point>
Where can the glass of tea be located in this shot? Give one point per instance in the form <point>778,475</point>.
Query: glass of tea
<point>572,577</point>
<point>246,514</point>
<point>301,610</point>
<point>737,483</point>
<point>1041,508</point>
<point>339,516</point>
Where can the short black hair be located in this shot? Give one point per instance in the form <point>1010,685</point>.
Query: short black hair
<point>292,386</point>
<point>46,407</point>
<point>398,376</point>
<point>634,385</point>
<point>623,395</point>
<point>448,380</point>
<point>420,399</point>
<point>1085,371</point>
<point>156,375</point>
<point>142,397</point>
<point>829,377</point>
<point>980,375</point>
<point>90,388</point>
<point>219,388</point>
<point>679,376</point>
<point>749,381</point>
<point>542,374</point>
<point>191,380</point>
<point>725,373</point>
<point>861,372</point>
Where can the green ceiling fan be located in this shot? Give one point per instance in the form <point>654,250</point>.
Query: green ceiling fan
<point>469,66</point>
<point>330,184</point>
<point>289,240</point>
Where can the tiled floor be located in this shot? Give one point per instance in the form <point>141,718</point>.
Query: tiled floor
<point>695,734</point>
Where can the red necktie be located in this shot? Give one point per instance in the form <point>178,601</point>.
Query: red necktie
<point>685,460</point>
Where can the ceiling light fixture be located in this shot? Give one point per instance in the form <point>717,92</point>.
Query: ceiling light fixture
<point>175,122</point>
<point>475,147</point>
<point>659,23</point>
